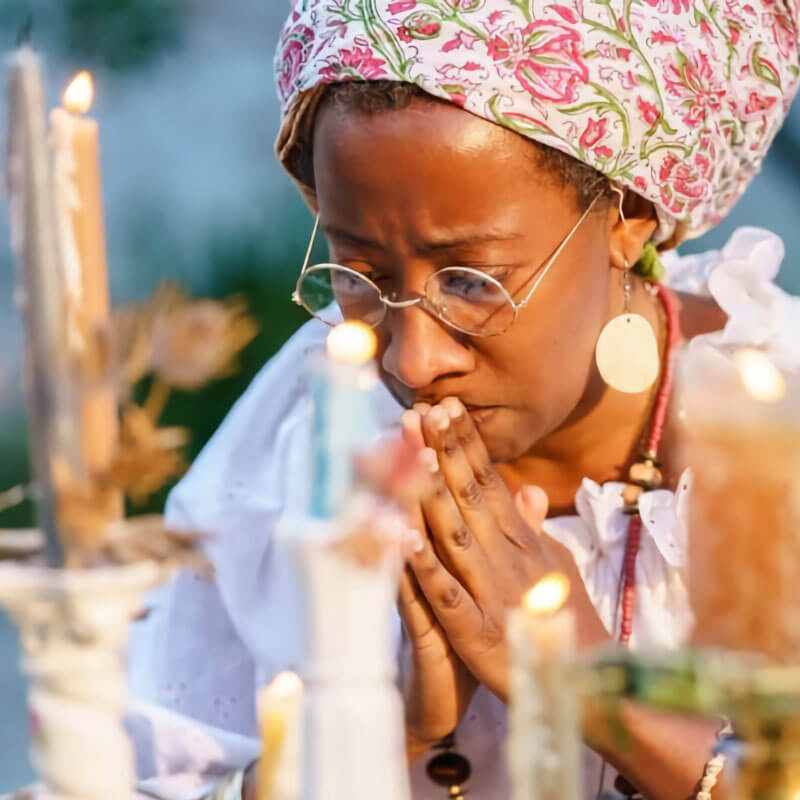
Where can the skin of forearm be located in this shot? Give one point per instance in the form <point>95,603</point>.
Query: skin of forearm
<point>663,755</point>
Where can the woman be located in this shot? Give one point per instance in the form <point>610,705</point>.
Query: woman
<point>487,175</point>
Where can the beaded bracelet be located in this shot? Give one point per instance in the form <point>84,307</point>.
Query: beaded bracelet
<point>714,765</point>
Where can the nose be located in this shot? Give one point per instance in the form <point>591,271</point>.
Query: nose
<point>420,349</point>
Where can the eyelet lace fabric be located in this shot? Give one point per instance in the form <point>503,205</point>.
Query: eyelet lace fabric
<point>205,646</point>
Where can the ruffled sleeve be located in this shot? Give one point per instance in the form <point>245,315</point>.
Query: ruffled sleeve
<point>740,278</point>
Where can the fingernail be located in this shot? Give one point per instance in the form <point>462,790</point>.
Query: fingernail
<point>414,541</point>
<point>453,407</point>
<point>421,408</point>
<point>409,419</point>
<point>439,418</point>
<point>429,459</point>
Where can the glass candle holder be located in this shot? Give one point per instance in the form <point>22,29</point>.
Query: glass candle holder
<point>740,419</point>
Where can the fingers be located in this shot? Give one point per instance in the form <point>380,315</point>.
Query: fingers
<point>418,619</point>
<point>411,425</point>
<point>471,442</point>
<point>464,497</point>
<point>450,602</point>
<point>532,503</point>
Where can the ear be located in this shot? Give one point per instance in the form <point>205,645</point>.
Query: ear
<point>632,221</point>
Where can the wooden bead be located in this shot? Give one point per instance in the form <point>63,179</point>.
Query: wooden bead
<point>646,474</point>
<point>630,498</point>
<point>449,769</point>
<point>625,787</point>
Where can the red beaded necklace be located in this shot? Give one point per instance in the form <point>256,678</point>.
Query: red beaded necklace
<point>645,475</point>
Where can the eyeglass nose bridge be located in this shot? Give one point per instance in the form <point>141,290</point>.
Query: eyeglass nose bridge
<point>414,301</point>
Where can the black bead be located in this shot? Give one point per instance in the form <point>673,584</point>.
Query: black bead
<point>449,769</point>
<point>625,787</point>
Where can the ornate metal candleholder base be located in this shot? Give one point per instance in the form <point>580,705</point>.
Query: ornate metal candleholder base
<point>762,702</point>
<point>73,627</point>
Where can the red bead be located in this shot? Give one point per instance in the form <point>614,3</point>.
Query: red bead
<point>633,543</point>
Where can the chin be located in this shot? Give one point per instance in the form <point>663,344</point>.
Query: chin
<point>501,435</point>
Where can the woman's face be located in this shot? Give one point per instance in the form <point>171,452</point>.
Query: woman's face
<point>405,193</point>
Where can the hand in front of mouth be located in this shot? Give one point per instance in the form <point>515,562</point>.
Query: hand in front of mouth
<point>484,548</point>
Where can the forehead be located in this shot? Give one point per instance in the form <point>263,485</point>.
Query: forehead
<point>428,165</point>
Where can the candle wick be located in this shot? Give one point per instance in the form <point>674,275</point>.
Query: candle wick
<point>25,32</point>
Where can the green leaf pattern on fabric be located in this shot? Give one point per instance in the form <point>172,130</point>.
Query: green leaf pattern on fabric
<point>675,99</point>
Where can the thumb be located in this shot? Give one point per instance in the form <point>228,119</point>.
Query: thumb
<point>532,504</point>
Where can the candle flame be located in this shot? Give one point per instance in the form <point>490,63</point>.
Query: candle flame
<point>284,684</point>
<point>352,342</point>
<point>548,595</point>
<point>79,94</point>
<point>761,378</point>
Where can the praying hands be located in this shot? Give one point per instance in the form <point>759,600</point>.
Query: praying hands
<point>481,549</point>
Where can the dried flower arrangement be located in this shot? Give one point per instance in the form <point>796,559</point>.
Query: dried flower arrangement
<point>180,344</point>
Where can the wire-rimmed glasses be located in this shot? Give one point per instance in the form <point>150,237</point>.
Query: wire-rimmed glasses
<point>466,299</point>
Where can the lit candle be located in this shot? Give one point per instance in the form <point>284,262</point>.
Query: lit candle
<point>343,419</point>
<point>79,209</point>
<point>280,714</point>
<point>544,730</point>
<point>40,297</point>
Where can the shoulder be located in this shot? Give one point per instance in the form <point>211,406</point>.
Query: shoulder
<point>730,299</point>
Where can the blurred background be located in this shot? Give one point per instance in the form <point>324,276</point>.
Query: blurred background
<point>188,116</point>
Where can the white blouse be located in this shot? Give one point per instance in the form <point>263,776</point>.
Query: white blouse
<point>205,647</point>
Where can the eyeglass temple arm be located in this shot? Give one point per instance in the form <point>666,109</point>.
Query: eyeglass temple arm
<point>557,253</point>
<point>310,245</point>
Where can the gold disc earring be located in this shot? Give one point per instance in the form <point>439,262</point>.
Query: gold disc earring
<point>627,350</point>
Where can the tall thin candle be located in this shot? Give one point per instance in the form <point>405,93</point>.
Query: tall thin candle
<point>342,413</point>
<point>54,433</point>
<point>79,206</point>
<point>544,735</point>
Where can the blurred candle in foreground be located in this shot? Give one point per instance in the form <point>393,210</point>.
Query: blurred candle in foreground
<point>544,729</point>
<point>740,421</point>
<point>343,418</point>
<point>39,293</point>
<point>280,715</point>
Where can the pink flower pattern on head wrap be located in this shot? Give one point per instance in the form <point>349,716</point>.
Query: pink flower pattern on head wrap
<point>677,100</point>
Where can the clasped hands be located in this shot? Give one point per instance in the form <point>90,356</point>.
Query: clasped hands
<point>479,550</point>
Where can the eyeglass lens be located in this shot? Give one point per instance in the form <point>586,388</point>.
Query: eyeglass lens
<point>472,302</point>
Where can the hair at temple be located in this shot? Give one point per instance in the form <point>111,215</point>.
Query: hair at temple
<point>370,97</point>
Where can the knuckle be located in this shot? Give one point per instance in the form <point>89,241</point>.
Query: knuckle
<point>450,448</point>
<point>467,436</point>
<point>439,490</point>
<point>486,477</point>
<point>470,493</point>
<point>451,597</point>
<point>492,631</point>
<point>461,537</point>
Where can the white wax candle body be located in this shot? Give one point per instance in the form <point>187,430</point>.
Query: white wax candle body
<point>544,728</point>
<point>343,423</point>
<point>354,724</point>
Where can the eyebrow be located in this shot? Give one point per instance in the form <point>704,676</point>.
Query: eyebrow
<point>434,245</point>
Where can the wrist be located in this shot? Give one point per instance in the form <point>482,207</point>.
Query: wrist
<point>416,746</point>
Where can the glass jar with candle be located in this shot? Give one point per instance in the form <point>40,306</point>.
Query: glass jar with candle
<point>741,424</point>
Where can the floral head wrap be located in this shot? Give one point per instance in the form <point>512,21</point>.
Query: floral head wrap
<point>677,100</point>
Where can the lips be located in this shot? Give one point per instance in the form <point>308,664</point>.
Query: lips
<point>482,414</point>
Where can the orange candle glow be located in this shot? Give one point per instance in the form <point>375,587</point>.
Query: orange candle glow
<point>76,144</point>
